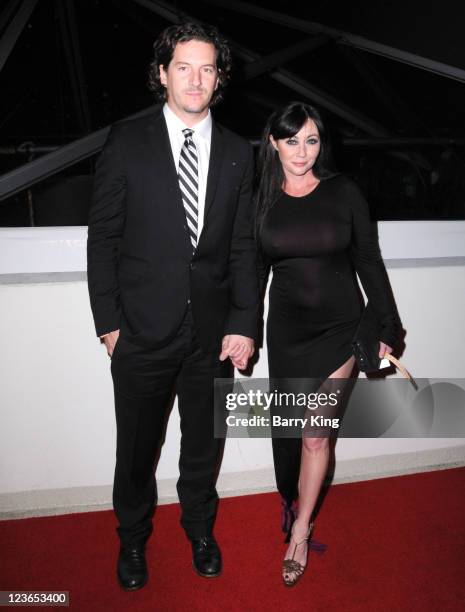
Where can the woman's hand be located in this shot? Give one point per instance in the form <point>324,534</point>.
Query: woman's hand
<point>384,348</point>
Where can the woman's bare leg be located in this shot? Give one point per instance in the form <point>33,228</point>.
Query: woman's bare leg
<point>313,468</point>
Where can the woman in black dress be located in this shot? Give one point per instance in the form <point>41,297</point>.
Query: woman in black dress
<point>314,231</point>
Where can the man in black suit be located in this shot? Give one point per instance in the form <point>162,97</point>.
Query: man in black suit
<point>172,284</point>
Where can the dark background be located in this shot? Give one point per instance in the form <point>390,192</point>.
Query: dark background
<point>115,37</point>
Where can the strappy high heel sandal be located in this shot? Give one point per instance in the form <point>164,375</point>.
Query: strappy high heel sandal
<point>292,570</point>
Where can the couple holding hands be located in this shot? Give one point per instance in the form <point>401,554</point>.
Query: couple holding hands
<point>180,244</point>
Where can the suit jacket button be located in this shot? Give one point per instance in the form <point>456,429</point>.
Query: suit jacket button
<point>192,266</point>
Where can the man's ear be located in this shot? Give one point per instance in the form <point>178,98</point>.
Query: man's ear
<point>163,75</point>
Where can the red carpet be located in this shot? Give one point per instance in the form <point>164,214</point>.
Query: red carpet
<point>394,544</point>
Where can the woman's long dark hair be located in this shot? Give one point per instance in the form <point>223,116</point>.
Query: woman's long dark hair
<point>284,123</point>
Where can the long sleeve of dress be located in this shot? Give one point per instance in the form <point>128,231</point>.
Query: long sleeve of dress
<point>369,265</point>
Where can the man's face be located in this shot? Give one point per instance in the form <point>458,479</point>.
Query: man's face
<point>190,79</point>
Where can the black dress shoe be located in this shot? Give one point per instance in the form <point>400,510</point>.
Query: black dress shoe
<point>132,568</point>
<point>206,556</point>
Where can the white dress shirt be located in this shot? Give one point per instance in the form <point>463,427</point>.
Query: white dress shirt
<point>202,138</point>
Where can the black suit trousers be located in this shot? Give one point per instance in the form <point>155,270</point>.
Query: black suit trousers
<point>144,382</point>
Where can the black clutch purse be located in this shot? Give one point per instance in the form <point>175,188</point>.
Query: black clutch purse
<point>365,344</point>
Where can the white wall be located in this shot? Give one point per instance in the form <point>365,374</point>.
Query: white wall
<point>56,417</point>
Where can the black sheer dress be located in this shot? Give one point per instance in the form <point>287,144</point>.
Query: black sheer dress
<point>315,244</point>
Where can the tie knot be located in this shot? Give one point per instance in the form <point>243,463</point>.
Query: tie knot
<point>187,133</point>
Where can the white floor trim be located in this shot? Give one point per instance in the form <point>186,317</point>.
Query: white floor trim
<point>51,502</point>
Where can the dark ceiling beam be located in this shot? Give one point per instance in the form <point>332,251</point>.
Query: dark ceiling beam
<point>285,77</point>
<point>278,58</point>
<point>7,13</point>
<point>344,38</point>
<point>167,12</point>
<point>261,100</point>
<point>138,17</point>
<point>15,26</point>
<point>386,96</point>
<point>27,149</point>
<point>317,95</point>
<point>39,169</point>
<point>406,141</point>
<point>66,13</point>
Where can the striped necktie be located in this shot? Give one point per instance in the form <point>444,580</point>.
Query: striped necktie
<point>188,175</point>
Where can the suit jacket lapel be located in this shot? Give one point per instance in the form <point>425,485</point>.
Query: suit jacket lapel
<point>163,163</point>
<point>161,150</point>
<point>214,167</point>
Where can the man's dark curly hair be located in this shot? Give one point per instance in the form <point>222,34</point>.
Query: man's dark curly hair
<point>163,51</point>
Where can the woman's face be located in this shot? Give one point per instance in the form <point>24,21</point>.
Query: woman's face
<point>298,153</point>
